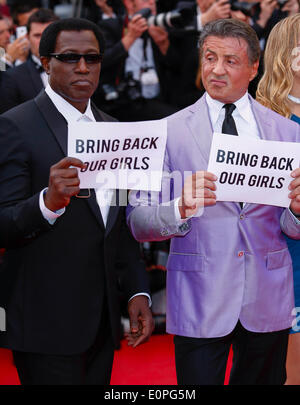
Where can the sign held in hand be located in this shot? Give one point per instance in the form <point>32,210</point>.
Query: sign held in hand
<point>253,170</point>
<point>124,155</point>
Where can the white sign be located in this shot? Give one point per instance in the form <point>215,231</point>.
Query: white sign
<point>253,170</point>
<point>124,155</point>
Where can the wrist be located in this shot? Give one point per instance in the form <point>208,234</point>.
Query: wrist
<point>9,58</point>
<point>128,41</point>
<point>163,46</point>
<point>48,204</point>
<point>262,21</point>
<point>297,215</point>
<point>182,210</point>
<point>204,19</point>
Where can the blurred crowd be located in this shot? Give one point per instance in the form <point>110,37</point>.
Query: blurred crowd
<point>151,63</point>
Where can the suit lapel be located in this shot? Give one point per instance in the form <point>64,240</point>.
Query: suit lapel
<point>56,122</point>
<point>264,121</point>
<point>200,127</point>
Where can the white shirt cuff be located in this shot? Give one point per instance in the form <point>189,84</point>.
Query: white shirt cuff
<point>297,220</point>
<point>147,295</point>
<point>50,216</point>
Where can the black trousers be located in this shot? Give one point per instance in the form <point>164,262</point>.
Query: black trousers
<point>258,358</point>
<point>92,367</point>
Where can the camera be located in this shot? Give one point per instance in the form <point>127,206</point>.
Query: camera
<point>281,3</point>
<point>181,17</point>
<point>246,8</point>
<point>128,89</point>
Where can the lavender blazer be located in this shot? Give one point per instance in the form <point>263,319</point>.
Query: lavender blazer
<point>228,264</point>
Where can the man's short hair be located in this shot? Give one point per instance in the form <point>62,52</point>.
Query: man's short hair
<point>42,16</point>
<point>21,9</point>
<point>232,28</point>
<point>50,34</point>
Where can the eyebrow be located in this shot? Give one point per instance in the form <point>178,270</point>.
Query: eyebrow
<point>227,56</point>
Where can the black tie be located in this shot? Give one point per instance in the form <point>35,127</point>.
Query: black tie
<point>228,126</point>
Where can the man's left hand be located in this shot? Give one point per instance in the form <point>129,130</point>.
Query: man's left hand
<point>160,37</point>
<point>292,7</point>
<point>295,192</point>
<point>141,321</point>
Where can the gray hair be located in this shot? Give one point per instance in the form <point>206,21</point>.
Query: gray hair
<point>232,28</point>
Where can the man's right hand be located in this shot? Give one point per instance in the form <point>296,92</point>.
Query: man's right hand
<point>63,183</point>
<point>219,9</point>
<point>198,191</point>
<point>136,27</point>
<point>18,49</point>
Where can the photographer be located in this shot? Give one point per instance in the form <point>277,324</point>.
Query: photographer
<point>204,11</point>
<point>269,13</point>
<point>135,77</point>
<point>15,51</point>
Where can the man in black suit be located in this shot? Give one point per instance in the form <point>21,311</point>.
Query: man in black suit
<point>15,52</point>
<point>25,81</point>
<point>66,254</point>
<point>137,63</point>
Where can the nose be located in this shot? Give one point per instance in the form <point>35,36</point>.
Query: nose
<point>219,68</point>
<point>82,66</point>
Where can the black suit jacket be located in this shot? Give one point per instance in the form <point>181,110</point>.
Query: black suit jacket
<point>56,279</point>
<point>19,84</point>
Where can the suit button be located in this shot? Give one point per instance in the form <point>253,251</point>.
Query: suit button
<point>242,216</point>
<point>240,254</point>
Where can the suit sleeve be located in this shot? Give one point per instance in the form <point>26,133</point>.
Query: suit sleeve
<point>290,225</point>
<point>20,215</point>
<point>151,216</point>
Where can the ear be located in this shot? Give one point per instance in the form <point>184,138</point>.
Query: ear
<point>45,61</point>
<point>254,70</point>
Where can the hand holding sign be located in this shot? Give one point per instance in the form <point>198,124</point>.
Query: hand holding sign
<point>198,191</point>
<point>295,192</point>
<point>63,183</point>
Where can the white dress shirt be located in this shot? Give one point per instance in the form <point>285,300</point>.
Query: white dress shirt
<point>136,61</point>
<point>242,115</point>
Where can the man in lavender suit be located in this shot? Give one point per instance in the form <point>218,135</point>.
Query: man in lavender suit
<point>229,270</point>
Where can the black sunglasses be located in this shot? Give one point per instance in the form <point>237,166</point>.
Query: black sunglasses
<point>90,58</point>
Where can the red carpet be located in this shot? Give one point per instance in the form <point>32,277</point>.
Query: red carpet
<point>150,364</point>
